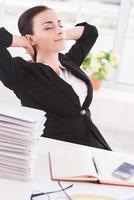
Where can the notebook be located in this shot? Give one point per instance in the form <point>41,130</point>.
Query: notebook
<point>89,166</point>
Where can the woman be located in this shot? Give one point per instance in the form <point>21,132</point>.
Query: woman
<point>52,82</point>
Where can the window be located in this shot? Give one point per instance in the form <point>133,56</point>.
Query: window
<point>124,45</point>
<point>115,22</point>
<point>126,74</point>
<point>104,16</point>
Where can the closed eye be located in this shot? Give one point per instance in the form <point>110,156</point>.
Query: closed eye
<point>47,28</point>
<point>51,27</point>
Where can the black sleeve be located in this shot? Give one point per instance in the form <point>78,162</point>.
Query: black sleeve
<point>10,70</point>
<point>82,46</point>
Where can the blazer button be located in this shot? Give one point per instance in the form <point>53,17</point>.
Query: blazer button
<point>83,112</point>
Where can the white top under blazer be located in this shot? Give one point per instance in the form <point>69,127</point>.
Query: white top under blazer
<point>78,85</point>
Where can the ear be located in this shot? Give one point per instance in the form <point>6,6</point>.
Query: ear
<point>30,38</point>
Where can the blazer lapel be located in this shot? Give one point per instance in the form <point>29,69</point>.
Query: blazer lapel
<point>80,74</point>
<point>62,85</point>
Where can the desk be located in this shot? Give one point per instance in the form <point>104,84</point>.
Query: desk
<point>15,190</point>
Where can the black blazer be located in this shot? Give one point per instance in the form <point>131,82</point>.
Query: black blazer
<point>38,86</point>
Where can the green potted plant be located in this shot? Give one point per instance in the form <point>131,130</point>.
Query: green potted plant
<point>99,66</point>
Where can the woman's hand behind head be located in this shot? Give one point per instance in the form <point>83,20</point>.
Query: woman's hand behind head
<point>29,48</point>
<point>24,42</point>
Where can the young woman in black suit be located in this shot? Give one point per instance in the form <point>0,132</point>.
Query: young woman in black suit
<point>52,81</point>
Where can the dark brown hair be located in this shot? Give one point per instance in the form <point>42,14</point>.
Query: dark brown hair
<point>25,25</point>
<point>25,21</point>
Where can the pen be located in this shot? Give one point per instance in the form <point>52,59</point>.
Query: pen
<point>95,165</point>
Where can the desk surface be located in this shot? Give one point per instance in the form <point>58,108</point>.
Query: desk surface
<point>15,190</point>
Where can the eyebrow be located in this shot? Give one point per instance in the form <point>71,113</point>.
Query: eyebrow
<point>50,22</point>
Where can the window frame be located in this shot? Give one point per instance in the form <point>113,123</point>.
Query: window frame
<point>118,46</point>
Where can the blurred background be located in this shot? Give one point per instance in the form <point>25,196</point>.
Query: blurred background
<point>113,105</point>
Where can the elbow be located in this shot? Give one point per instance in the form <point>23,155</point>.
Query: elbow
<point>95,32</point>
<point>92,32</point>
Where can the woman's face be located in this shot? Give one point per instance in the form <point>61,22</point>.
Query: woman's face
<point>48,32</point>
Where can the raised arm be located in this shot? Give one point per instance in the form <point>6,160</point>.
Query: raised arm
<point>74,33</point>
<point>9,40</point>
<point>10,70</point>
<point>85,36</point>
<point>24,42</point>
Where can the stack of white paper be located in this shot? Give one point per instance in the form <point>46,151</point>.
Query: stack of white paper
<point>20,129</point>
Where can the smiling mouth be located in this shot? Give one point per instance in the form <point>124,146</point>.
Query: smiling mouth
<point>61,39</point>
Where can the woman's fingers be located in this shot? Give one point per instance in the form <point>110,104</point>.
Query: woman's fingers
<point>29,50</point>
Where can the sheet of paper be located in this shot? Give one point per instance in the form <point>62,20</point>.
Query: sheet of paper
<point>71,164</point>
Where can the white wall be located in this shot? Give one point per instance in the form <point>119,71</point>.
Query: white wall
<point>8,96</point>
<point>113,113</point>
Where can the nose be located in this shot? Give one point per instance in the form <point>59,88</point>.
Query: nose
<point>59,30</point>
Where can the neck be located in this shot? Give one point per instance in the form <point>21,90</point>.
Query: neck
<point>50,59</point>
